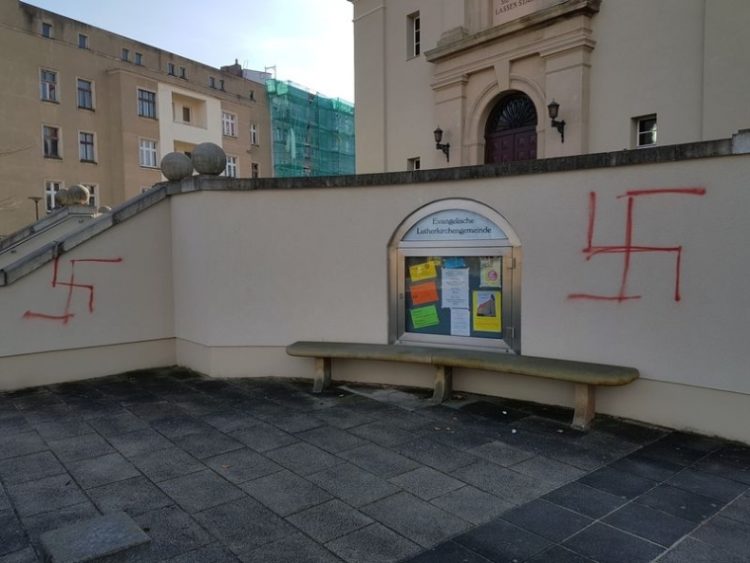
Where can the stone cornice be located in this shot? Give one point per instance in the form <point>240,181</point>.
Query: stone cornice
<point>537,19</point>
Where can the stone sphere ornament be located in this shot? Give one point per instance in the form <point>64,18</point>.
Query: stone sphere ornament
<point>61,197</point>
<point>175,166</point>
<point>209,158</point>
<point>78,195</point>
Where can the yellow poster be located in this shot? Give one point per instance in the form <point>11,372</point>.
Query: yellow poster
<point>423,271</point>
<point>487,311</point>
<point>490,273</point>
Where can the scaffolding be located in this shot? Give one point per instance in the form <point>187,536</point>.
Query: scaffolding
<point>312,135</point>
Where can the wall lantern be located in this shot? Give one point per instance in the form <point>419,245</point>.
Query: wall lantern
<point>553,108</point>
<point>446,148</point>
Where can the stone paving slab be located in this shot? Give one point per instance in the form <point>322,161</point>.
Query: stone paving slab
<point>90,540</point>
<point>263,470</point>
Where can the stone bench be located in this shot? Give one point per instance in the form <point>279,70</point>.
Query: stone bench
<point>585,376</point>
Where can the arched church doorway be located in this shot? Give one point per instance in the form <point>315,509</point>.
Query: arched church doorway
<point>510,133</point>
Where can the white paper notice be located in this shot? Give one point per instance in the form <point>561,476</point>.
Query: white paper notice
<point>460,322</point>
<point>455,288</point>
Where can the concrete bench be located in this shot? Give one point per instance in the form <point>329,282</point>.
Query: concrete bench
<point>585,376</point>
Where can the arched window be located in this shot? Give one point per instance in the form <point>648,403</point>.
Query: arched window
<point>455,278</point>
<point>510,133</point>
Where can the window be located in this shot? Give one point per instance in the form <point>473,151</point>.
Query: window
<point>229,124</point>
<point>146,103</point>
<point>93,197</point>
<point>252,95</point>
<point>232,170</point>
<point>211,82</point>
<point>51,187</point>
<point>185,114</point>
<point>48,85</point>
<point>170,69</point>
<point>83,41</point>
<point>256,170</point>
<point>147,153</point>
<point>85,94</point>
<point>47,30</point>
<point>86,147</point>
<point>125,56</point>
<point>139,59</point>
<point>253,134</point>
<point>413,164</point>
<point>645,131</point>
<point>51,141</point>
<point>456,264</point>
<point>414,39</point>
<point>221,84</point>
<point>183,72</point>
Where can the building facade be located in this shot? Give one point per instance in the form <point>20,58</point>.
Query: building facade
<point>313,135</point>
<point>79,104</point>
<point>624,74</point>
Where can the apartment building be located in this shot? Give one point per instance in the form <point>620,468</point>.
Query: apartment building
<point>616,74</point>
<point>79,104</point>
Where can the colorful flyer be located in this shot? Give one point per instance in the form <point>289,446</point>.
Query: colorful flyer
<point>490,271</point>
<point>422,293</point>
<point>460,322</point>
<point>455,286</point>
<point>454,262</point>
<point>423,271</point>
<point>487,311</point>
<point>422,317</point>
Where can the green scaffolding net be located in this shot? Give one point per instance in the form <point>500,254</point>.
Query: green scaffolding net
<point>312,135</point>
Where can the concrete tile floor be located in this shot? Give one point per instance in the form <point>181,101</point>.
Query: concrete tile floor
<point>262,470</point>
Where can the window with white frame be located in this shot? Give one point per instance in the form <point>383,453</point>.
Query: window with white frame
<point>48,85</point>
<point>93,195</point>
<point>146,103</point>
<point>47,30</point>
<point>147,153</point>
<point>51,187</point>
<point>85,93</point>
<point>83,41</point>
<point>645,131</point>
<point>229,124</point>
<point>86,148</point>
<point>232,170</point>
<point>51,141</point>
<point>414,37</point>
<point>254,134</point>
<point>413,164</point>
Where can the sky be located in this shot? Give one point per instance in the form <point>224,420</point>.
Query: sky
<point>309,41</point>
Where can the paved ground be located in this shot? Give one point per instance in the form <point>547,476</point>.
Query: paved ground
<point>264,471</point>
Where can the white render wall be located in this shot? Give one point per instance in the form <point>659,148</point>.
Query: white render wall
<point>223,281</point>
<point>129,269</point>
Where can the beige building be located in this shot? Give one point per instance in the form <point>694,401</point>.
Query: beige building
<point>79,104</point>
<point>625,73</point>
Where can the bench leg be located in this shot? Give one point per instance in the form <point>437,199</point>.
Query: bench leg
<point>585,408</point>
<point>322,374</point>
<point>443,384</point>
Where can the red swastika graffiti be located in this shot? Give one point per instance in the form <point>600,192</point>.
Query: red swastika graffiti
<point>72,285</point>
<point>627,249</point>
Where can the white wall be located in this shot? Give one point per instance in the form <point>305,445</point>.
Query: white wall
<point>229,278</point>
<point>131,277</point>
<point>290,265</point>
